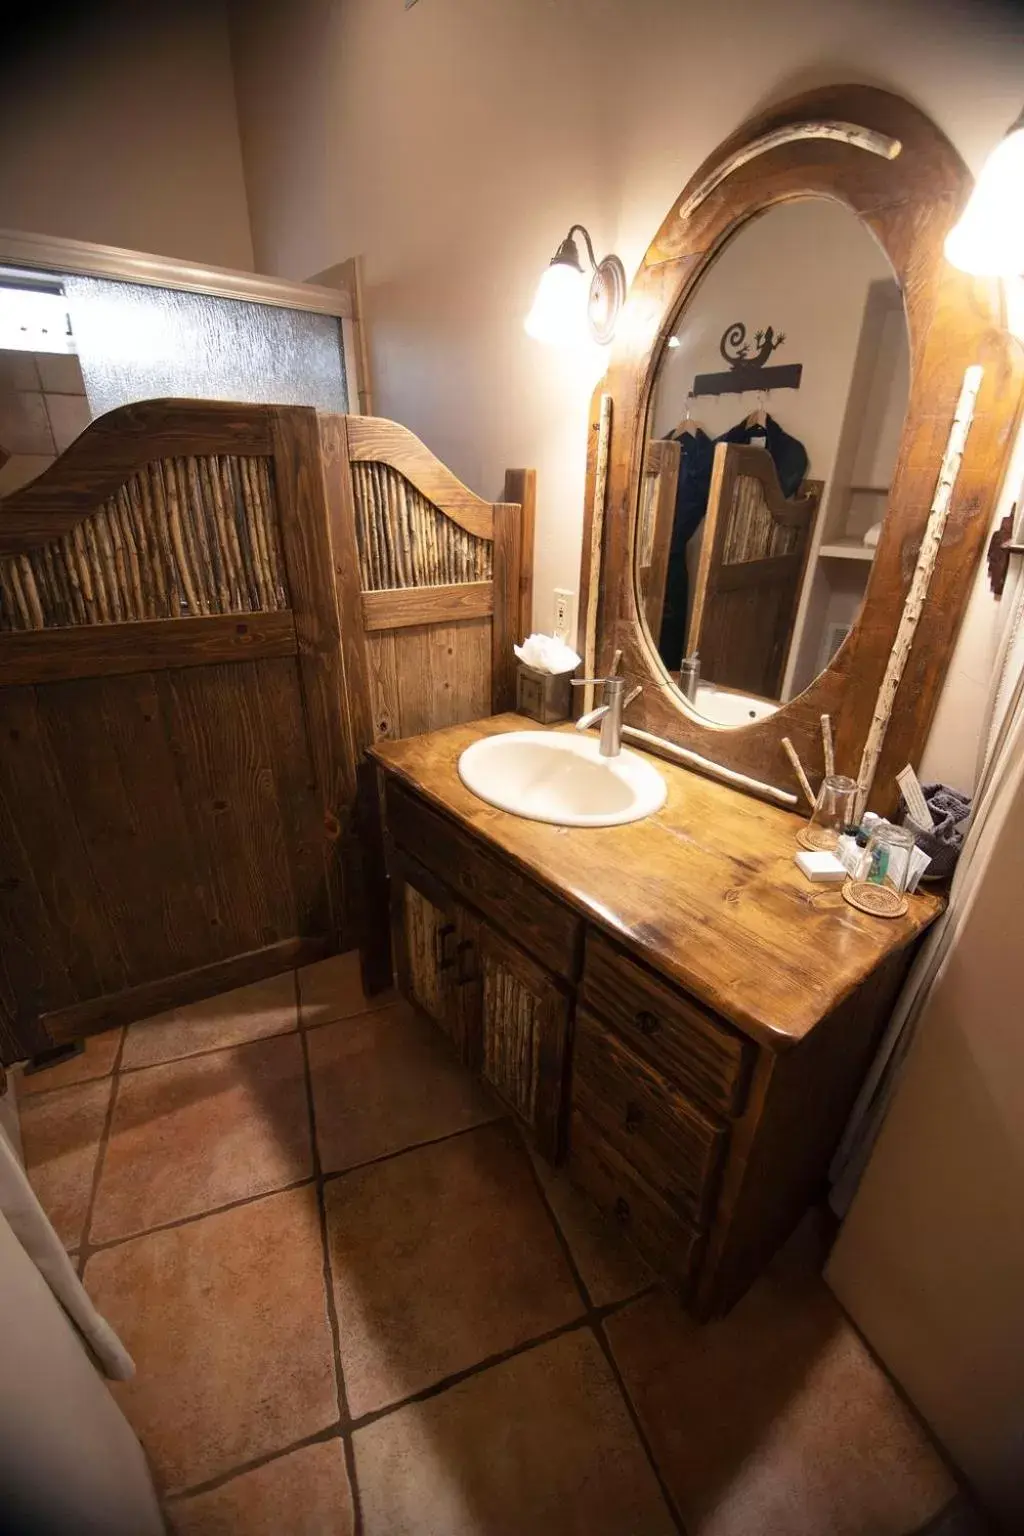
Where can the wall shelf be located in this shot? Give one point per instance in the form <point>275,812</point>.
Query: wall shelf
<point>846,549</point>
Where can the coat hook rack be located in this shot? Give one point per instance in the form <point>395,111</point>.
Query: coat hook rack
<point>748,371</point>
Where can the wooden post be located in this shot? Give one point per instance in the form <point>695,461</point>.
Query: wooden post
<point>521,486</point>
<point>592,552</point>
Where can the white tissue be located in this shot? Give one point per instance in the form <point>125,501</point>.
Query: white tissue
<point>872,535</point>
<point>546,654</point>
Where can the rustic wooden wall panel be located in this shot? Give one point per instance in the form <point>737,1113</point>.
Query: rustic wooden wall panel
<point>429,675</point>
<point>184,693</point>
<point>405,541</point>
<point>178,769</point>
<point>188,535</point>
<point>419,530</point>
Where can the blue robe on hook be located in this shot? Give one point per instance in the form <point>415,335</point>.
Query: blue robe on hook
<point>696,458</point>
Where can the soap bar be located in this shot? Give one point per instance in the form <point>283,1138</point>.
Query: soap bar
<point>821,866</point>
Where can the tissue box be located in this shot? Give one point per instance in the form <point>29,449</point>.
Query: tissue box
<point>543,696</point>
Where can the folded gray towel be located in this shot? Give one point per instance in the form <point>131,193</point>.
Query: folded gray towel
<point>949,807</point>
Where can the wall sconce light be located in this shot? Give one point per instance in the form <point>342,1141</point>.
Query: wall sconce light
<point>988,238</point>
<point>567,308</point>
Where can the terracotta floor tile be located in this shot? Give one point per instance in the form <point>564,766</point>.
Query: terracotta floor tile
<point>304,1493</point>
<point>60,1134</point>
<point>539,1444</point>
<point>385,1081</point>
<point>609,1267</point>
<point>97,1060</point>
<point>441,1258</point>
<point>227,1321</point>
<point>333,989</point>
<point>192,1135</point>
<point>232,1018</point>
<point>775,1418</point>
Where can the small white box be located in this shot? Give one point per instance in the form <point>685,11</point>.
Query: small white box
<point>822,867</point>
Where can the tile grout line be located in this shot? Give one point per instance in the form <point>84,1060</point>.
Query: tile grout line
<point>596,1316</point>
<point>501,1357</point>
<point>193,1490</point>
<point>563,1242</point>
<point>208,1050</point>
<point>350,1018</point>
<point>344,1431</point>
<point>283,1189</point>
<point>641,1433</point>
<point>592,1316</point>
<point>214,1210</point>
<point>344,1416</point>
<point>85,1248</point>
<point>416,1146</point>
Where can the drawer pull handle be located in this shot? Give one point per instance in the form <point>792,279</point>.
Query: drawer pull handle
<point>622,1211</point>
<point>634,1117</point>
<point>445,960</point>
<point>648,1023</point>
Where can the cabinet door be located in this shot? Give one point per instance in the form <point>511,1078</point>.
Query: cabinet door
<point>524,1034</point>
<point>427,934</point>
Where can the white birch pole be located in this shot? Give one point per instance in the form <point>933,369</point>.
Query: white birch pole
<point>923,572</point>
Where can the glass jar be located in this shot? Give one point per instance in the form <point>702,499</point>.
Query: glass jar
<point>833,811</point>
<point>887,857</point>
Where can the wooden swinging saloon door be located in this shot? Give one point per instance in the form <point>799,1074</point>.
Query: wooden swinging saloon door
<point>176,762</point>
<point>752,563</point>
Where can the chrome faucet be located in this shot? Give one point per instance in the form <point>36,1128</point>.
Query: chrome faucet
<point>689,676</point>
<point>609,713</point>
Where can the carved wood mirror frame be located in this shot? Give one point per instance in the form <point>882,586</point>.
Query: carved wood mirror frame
<point>908,199</point>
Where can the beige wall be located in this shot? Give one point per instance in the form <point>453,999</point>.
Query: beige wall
<point>930,1260</point>
<point>122,130</point>
<point>453,143</point>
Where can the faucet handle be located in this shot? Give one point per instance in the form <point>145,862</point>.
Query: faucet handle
<point>586,682</point>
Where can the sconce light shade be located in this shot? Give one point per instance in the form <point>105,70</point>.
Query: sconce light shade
<point>558,315</point>
<point>988,238</point>
<point>567,308</point>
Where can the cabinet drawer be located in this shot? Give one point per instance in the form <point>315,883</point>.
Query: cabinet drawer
<point>676,1146</point>
<point>538,922</point>
<point>618,1190</point>
<point>682,1039</point>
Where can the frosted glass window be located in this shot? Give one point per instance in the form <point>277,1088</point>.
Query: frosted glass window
<point>141,343</point>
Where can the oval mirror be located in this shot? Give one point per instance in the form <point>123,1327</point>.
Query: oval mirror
<point>773,432</point>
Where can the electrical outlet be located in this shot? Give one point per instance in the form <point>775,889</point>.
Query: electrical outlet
<point>565,615</point>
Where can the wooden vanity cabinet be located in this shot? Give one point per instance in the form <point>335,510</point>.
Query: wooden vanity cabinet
<point>506,1015</point>
<point>702,1129</point>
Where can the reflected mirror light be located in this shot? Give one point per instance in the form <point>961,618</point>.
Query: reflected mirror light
<point>773,433</point>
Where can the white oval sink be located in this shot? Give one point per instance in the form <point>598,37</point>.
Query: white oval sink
<point>562,778</point>
<point>723,707</point>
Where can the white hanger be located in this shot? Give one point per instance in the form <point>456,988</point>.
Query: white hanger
<point>687,425</point>
<point>758,417</point>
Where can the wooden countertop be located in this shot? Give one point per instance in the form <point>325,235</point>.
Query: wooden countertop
<point>706,890</point>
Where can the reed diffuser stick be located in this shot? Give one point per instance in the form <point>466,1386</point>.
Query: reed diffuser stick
<point>826,742</point>
<point>798,769</point>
